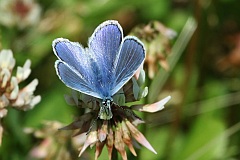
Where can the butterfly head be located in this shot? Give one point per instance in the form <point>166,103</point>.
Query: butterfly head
<point>105,112</point>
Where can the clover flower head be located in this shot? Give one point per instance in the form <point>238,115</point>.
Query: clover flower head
<point>104,74</point>
<point>157,39</point>
<point>50,141</point>
<point>10,93</point>
<point>118,132</point>
<point>20,13</point>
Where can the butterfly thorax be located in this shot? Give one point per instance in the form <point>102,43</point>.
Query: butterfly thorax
<point>105,112</point>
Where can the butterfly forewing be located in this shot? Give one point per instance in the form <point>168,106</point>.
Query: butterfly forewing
<point>104,45</point>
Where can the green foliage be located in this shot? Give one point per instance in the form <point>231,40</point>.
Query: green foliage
<point>201,120</point>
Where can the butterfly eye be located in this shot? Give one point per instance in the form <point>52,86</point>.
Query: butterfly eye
<point>104,103</point>
<point>107,102</point>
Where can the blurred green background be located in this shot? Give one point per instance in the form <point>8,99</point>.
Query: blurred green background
<point>201,121</point>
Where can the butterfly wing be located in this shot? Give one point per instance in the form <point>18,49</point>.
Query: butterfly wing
<point>74,66</point>
<point>117,58</point>
<point>104,46</point>
<point>131,55</point>
<point>103,68</point>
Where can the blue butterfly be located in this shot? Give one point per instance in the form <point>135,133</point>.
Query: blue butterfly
<point>104,67</point>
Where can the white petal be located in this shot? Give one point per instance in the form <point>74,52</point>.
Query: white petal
<point>24,72</point>
<point>7,60</point>
<point>19,74</point>
<point>4,102</point>
<point>31,86</point>
<point>5,76</point>
<point>3,112</point>
<point>155,107</point>
<point>35,101</point>
<point>26,68</point>
<point>20,100</point>
<point>15,88</point>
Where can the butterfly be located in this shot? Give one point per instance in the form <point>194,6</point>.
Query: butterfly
<point>101,69</point>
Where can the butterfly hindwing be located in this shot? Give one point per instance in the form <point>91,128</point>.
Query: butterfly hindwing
<point>74,61</point>
<point>129,59</point>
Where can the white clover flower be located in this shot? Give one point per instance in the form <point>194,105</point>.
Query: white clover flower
<point>50,142</point>
<point>25,98</point>
<point>10,93</point>
<point>20,13</point>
